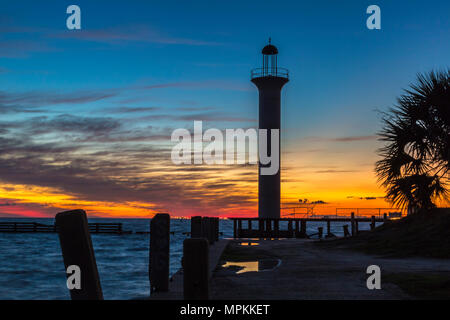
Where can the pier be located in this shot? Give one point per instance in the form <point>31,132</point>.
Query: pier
<point>296,227</point>
<point>34,227</point>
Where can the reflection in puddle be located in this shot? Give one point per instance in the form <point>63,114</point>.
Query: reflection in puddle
<point>249,244</point>
<point>254,266</point>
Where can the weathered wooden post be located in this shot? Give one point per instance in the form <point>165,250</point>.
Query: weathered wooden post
<point>328,228</point>
<point>269,227</point>
<point>303,228</point>
<point>212,230</point>
<point>234,228</point>
<point>320,232</point>
<point>216,229</point>
<point>239,228</point>
<point>159,252</point>
<point>290,229</point>
<point>352,223</point>
<point>196,269</point>
<point>261,227</point>
<point>346,233</point>
<point>207,230</point>
<point>276,227</point>
<point>249,224</point>
<point>372,223</point>
<point>385,219</point>
<point>297,227</point>
<point>196,227</point>
<point>356,226</point>
<point>77,250</point>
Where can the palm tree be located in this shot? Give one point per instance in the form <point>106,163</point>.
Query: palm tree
<point>415,162</point>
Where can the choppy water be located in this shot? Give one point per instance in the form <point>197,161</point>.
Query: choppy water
<point>31,264</point>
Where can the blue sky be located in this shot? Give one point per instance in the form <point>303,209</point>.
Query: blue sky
<point>182,60</point>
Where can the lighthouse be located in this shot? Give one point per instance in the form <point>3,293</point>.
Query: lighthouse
<point>269,80</point>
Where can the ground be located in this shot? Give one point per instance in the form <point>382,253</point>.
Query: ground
<point>311,271</point>
<point>424,234</point>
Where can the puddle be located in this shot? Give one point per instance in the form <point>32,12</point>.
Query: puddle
<point>254,266</point>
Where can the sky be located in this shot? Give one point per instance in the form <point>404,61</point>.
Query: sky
<point>86,115</point>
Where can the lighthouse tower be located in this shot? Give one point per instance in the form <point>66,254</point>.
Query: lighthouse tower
<point>269,80</point>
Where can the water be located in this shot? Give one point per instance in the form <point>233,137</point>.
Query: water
<point>254,265</point>
<point>31,265</point>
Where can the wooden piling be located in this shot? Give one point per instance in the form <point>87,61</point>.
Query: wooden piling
<point>320,232</point>
<point>207,230</point>
<point>77,249</point>
<point>196,227</point>
<point>212,230</point>
<point>239,228</point>
<point>372,223</point>
<point>195,269</point>
<point>352,223</point>
<point>385,219</point>
<point>234,229</point>
<point>261,226</point>
<point>276,227</point>
<point>328,228</point>
<point>159,252</point>
<point>346,233</point>
<point>303,229</point>
<point>216,229</point>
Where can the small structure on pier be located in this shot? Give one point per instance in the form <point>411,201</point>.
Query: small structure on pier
<point>296,227</point>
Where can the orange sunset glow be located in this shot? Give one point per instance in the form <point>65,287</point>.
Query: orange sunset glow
<point>86,118</point>
<point>342,180</point>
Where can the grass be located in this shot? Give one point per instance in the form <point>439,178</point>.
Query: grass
<point>422,286</point>
<point>425,234</point>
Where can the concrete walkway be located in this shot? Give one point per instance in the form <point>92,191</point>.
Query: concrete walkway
<point>309,271</point>
<point>176,282</point>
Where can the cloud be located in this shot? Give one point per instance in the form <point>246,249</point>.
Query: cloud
<point>111,158</point>
<point>6,109</point>
<point>21,48</point>
<point>127,34</point>
<point>335,171</point>
<point>7,204</point>
<point>13,48</point>
<point>355,138</point>
<point>195,108</point>
<point>207,84</point>
<point>365,198</point>
<point>211,116</point>
<point>342,139</point>
<point>127,168</point>
<point>39,98</point>
<point>64,123</point>
<point>132,110</point>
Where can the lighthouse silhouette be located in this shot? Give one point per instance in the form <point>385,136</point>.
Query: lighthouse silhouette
<point>269,80</point>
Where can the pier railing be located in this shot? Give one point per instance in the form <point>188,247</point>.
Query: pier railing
<point>25,227</point>
<point>296,227</point>
<point>16,227</point>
